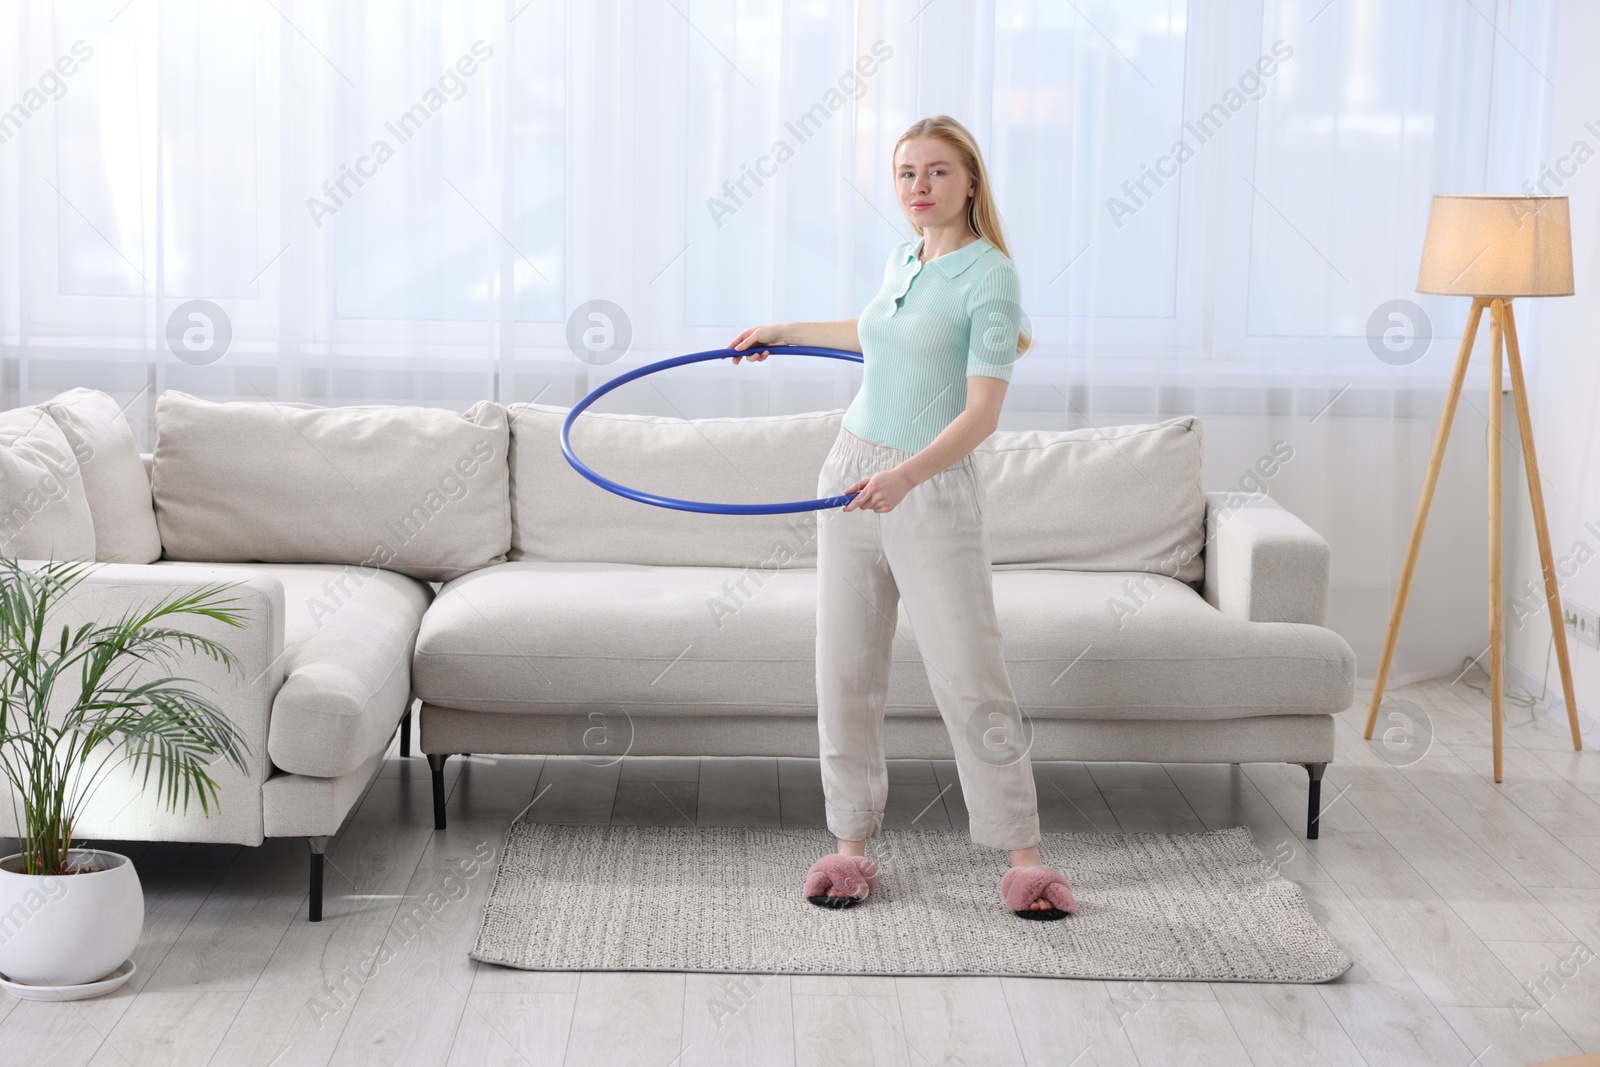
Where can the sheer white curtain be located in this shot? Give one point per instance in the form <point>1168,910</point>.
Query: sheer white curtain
<point>414,201</point>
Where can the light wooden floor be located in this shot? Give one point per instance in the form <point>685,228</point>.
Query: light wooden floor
<point>1458,900</point>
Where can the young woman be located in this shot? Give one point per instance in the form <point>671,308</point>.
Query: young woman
<point>938,342</point>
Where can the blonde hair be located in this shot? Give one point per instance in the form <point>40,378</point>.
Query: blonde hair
<point>983,218</point>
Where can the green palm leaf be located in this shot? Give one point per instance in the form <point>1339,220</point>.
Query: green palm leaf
<point>56,750</point>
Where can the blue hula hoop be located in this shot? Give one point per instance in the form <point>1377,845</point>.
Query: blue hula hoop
<point>698,505</point>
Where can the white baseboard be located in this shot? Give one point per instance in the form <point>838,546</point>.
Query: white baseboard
<point>1554,704</point>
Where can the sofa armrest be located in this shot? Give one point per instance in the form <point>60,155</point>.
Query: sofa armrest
<point>122,808</point>
<point>1262,563</point>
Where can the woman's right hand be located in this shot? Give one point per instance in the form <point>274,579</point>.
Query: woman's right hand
<point>757,335</point>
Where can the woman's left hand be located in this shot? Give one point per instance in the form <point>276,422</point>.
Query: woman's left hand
<point>879,492</point>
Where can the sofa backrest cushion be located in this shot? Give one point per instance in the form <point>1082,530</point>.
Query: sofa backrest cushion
<point>559,515</point>
<point>417,490</point>
<point>44,512</point>
<point>1122,498</point>
<point>114,476</point>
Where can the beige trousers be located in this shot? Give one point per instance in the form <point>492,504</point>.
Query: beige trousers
<point>931,551</point>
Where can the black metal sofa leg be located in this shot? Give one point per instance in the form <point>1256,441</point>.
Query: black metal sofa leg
<point>405,735</point>
<point>319,845</point>
<point>1314,799</point>
<point>436,765</point>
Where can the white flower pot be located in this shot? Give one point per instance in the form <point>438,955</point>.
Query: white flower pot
<point>69,929</point>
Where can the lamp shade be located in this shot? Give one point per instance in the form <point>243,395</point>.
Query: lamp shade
<point>1497,246</point>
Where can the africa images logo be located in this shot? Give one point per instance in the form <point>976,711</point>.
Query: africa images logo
<point>199,332</point>
<point>1249,86</point>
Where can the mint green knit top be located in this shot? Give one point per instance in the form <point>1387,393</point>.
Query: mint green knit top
<point>931,327</point>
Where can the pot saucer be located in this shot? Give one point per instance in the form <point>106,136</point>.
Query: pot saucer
<point>28,991</point>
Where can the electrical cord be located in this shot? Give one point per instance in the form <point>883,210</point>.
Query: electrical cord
<point>1514,694</point>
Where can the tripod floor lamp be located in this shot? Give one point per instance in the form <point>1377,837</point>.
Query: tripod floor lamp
<point>1492,248</point>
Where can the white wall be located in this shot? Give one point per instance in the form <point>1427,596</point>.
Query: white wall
<point>1563,368</point>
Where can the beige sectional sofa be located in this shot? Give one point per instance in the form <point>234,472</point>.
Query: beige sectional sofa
<point>390,554</point>
<point>336,523</point>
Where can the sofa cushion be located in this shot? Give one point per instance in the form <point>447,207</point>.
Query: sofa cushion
<point>527,637</point>
<point>1143,483</point>
<point>44,512</point>
<point>1121,498</point>
<point>114,476</point>
<point>348,639</point>
<point>559,515</point>
<point>422,491</point>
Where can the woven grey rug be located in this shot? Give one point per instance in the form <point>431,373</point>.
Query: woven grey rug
<point>1183,907</point>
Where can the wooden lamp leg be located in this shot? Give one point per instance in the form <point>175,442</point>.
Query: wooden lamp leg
<point>1496,705</point>
<point>1434,463</point>
<point>1541,528</point>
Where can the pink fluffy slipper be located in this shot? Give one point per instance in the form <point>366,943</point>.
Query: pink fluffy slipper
<point>854,875</point>
<point>1021,886</point>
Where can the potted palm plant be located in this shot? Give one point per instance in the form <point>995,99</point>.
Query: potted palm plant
<point>76,703</point>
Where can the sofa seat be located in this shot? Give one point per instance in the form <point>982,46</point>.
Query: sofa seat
<point>348,641</point>
<point>540,637</point>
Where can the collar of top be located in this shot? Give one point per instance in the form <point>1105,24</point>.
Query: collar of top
<point>951,263</point>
